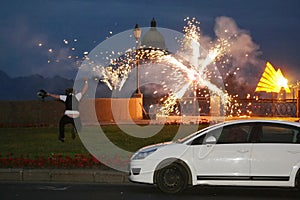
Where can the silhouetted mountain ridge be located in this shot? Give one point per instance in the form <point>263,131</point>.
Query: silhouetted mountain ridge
<point>26,87</point>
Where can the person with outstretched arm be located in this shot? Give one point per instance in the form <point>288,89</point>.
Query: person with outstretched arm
<point>71,114</point>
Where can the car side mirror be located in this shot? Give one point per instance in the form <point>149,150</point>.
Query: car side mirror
<point>210,140</point>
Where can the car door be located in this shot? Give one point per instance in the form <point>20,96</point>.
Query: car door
<point>276,150</point>
<point>228,158</point>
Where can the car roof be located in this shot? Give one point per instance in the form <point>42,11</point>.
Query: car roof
<point>260,121</point>
<point>238,121</point>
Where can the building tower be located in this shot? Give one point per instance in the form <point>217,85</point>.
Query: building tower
<point>153,38</point>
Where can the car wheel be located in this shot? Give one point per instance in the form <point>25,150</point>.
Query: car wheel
<point>297,181</point>
<point>172,178</point>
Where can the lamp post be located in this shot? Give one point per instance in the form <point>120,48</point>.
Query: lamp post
<point>298,99</point>
<point>137,34</point>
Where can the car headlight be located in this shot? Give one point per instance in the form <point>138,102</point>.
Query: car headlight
<point>143,154</point>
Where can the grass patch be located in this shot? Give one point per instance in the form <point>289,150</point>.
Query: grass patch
<point>37,142</point>
<point>147,135</point>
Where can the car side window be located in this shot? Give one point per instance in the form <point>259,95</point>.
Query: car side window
<point>227,135</point>
<point>235,134</point>
<point>279,134</point>
<point>201,139</point>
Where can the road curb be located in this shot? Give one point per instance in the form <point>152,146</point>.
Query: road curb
<point>63,175</point>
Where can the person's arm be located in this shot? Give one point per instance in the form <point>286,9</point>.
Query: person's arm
<point>85,87</point>
<point>56,96</point>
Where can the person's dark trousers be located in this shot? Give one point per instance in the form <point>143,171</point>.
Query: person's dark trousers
<point>68,120</point>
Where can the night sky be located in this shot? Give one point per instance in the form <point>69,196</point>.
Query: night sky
<point>37,36</point>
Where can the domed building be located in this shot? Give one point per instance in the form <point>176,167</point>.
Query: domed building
<point>153,38</point>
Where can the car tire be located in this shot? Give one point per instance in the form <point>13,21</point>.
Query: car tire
<point>172,178</point>
<point>297,180</point>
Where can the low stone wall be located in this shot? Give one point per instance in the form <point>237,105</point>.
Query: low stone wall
<point>48,113</point>
<point>111,110</point>
<point>30,113</point>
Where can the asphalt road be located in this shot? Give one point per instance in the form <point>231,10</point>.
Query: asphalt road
<point>64,191</point>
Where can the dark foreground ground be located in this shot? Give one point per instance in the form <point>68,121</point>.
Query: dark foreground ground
<point>78,191</point>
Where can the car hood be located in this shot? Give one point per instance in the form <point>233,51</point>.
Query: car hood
<point>155,146</point>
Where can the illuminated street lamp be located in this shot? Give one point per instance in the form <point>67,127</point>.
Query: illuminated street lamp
<point>137,34</point>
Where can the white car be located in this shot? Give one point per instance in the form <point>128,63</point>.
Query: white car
<point>240,153</point>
